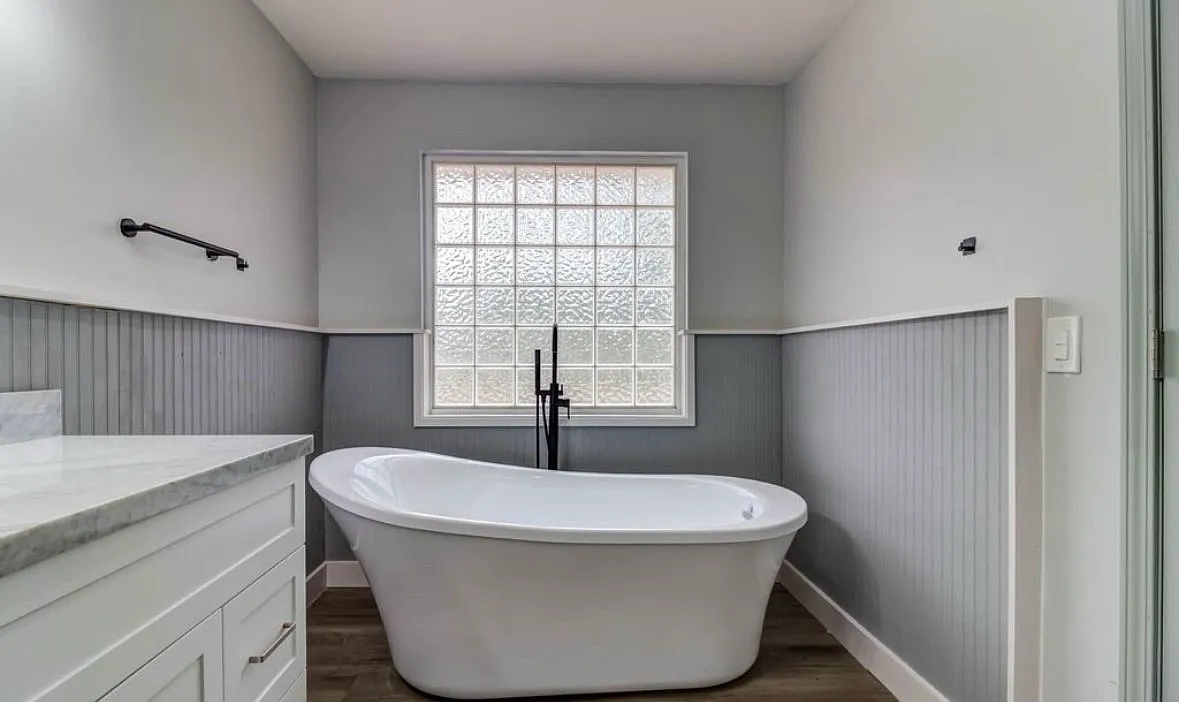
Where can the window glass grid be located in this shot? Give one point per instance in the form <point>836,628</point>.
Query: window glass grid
<point>599,263</point>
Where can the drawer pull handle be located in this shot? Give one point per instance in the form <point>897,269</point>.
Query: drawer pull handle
<point>288,628</point>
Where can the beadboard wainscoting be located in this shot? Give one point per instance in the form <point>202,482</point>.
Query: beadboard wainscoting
<point>123,372</point>
<point>368,401</point>
<point>898,436</point>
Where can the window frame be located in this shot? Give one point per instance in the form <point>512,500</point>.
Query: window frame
<point>683,413</point>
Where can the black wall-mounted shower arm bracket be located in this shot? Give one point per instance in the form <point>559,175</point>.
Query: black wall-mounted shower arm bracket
<point>129,229</point>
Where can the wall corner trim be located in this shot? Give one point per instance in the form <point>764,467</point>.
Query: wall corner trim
<point>903,317</point>
<point>879,660</point>
<point>1025,497</point>
<point>316,583</point>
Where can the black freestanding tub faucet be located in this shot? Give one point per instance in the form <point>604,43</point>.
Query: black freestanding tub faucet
<point>549,402</point>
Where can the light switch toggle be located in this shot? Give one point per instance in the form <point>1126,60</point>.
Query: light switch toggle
<point>1062,345</point>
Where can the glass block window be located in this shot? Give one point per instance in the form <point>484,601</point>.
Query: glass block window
<point>516,245</point>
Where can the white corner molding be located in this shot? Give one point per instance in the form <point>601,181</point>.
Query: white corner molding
<point>879,660</point>
<point>902,317</point>
<point>344,574</point>
<point>1025,496</point>
<point>376,331</point>
<point>316,583</point>
<point>99,303</point>
<point>734,332</point>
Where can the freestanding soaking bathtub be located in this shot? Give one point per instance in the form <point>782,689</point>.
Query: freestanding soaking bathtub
<point>498,581</point>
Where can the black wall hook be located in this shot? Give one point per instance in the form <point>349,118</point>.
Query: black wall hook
<point>212,251</point>
<point>968,246</point>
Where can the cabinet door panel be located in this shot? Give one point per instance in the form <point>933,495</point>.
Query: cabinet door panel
<point>187,671</point>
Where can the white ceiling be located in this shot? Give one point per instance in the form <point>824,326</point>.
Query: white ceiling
<point>681,41</point>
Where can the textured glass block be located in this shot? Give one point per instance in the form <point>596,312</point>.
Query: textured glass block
<point>495,387</point>
<point>575,306</point>
<point>655,227</point>
<point>495,265</point>
<point>575,225</point>
<point>534,266</point>
<point>454,225</point>
<point>528,339</point>
<point>495,225</point>
<point>654,346</point>
<point>655,306</point>
<point>616,306</point>
<point>454,265</point>
<point>454,305</point>
<point>655,186</point>
<point>534,185</point>
<point>454,182</point>
<point>495,306</point>
<point>454,346</point>
<point>616,267</point>
<point>616,347</point>
<point>616,185</point>
<point>495,184</point>
<point>534,306</point>
<point>654,386</point>
<point>575,266</point>
<point>655,267</point>
<point>495,346</point>
<point>454,387</point>
<point>615,386</point>
<point>534,225</point>
<point>575,185</point>
<point>526,383</point>
<point>579,386</point>
<point>616,226</point>
<point>576,346</point>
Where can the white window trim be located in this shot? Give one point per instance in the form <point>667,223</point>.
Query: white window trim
<point>682,415</point>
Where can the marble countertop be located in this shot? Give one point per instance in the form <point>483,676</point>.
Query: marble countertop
<point>61,492</point>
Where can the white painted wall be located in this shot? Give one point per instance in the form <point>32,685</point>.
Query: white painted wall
<point>371,135</point>
<point>921,122</point>
<point>193,115</point>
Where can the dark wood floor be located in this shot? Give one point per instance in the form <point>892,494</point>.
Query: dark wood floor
<point>348,660</point>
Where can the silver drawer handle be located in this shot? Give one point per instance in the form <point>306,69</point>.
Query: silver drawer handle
<point>288,628</point>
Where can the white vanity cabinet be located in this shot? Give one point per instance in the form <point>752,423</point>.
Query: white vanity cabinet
<point>201,602</point>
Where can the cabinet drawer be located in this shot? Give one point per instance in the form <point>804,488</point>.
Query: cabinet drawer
<point>265,640</point>
<point>187,671</point>
<point>298,691</point>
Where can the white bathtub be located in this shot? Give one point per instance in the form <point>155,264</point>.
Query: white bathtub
<point>498,581</point>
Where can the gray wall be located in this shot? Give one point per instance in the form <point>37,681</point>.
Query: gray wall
<point>133,373</point>
<point>368,401</point>
<point>371,135</point>
<point>193,115</point>
<point>919,123</point>
<point>896,436</point>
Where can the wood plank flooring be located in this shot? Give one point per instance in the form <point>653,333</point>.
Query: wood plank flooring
<point>348,661</point>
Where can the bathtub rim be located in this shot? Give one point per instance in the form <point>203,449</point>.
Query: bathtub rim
<point>786,512</point>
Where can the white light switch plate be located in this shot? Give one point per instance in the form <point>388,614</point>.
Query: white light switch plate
<point>1062,345</point>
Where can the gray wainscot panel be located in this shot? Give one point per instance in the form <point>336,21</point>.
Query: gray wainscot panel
<point>124,372</point>
<point>368,401</point>
<point>896,435</point>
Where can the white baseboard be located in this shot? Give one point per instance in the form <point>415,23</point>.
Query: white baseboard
<point>345,574</point>
<point>316,583</point>
<point>879,660</point>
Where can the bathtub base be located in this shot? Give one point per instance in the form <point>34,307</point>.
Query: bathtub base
<point>470,617</point>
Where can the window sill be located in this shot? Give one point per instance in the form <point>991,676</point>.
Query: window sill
<point>575,420</point>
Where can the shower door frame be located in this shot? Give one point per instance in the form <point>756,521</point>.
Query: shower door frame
<point>1141,631</point>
